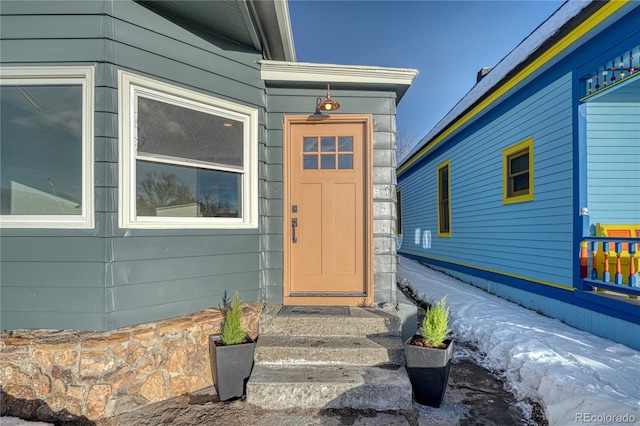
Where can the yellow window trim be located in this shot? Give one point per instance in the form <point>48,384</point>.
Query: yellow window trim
<point>441,166</point>
<point>526,144</point>
<point>399,212</point>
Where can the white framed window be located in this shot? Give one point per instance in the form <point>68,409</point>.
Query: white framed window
<point>187,160</point>
<point>46,154</point>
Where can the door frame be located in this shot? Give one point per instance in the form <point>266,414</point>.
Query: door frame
<point>367,123</point>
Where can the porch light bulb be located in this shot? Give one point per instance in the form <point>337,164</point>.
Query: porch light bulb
<point>328,104</point>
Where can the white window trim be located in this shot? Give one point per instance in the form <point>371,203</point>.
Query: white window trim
<point>84,76</point>
<point>130,86</point>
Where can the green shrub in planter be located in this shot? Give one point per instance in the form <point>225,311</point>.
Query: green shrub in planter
<point>231,354</point>
<point>233,332</point>
<point>429,356</point>
<point>435,326</point>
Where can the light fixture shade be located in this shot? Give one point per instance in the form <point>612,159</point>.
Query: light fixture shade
<point>327,104</point>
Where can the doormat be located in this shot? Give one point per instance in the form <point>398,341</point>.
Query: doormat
<point>325,311</point>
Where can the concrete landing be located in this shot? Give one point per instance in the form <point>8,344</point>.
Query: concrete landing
<point>327,321</point>
<point>334,350</point>
<point>329,357</point>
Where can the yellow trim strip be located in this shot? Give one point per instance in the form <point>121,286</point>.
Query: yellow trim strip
<point>550,284</point>
<point>591,22</point>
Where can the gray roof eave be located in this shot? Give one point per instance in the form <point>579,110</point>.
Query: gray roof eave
<point>273,25</point>
<point>262,25</point>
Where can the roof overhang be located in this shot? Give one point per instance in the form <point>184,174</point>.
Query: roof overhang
<point>261,25</point>
<point>274,27</point>
<point>311,75</point>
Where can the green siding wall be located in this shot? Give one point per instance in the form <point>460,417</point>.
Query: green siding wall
<point>296,101</point>
<point>108,277</point>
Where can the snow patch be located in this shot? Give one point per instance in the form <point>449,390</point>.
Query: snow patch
<point>576,376</point>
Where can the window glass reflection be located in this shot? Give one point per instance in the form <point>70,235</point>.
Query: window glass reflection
<point>177,191</point>
<point>310,162</point>
<point>345,161</point>
<point>310,144</point>
<point>328,144</point>
<point>173,131</point>
<point>328,162</point>
<point>345,144</point>
<point>41,150</point>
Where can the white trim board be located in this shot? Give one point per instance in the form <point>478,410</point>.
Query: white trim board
<point>332,73</point>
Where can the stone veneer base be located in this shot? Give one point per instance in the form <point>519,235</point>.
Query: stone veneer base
<point>70,375</point>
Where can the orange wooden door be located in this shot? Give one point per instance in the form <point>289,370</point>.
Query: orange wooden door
<point>327,211</point>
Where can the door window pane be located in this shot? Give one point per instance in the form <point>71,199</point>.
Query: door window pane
<point>328,162</point>
<point>310,162</point>
<point>328,144</point>
<point>345,144</point>
<point>310,144</point>
<point>345,161</point>
<point>41,150</point>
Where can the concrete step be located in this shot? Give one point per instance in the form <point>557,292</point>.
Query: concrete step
<point>276,320</point>
<point>306,386</point>
<point>332,350</point>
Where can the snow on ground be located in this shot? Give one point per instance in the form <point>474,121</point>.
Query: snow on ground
<point>578,377</point>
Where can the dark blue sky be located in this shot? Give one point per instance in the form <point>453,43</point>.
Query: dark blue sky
<point>447,41</point>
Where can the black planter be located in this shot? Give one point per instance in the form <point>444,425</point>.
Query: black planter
<point>230,367</point>
<point>428,370</point>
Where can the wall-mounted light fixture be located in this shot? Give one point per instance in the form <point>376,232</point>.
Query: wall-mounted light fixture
<point>327,104</point>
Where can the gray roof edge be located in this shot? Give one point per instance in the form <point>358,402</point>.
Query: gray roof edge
<point>273,23</point>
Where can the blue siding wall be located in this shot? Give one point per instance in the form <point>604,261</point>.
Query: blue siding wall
<point>584,155</point>
<point>108,277</point>
<point>530,239</point>
<point>613,161</point>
